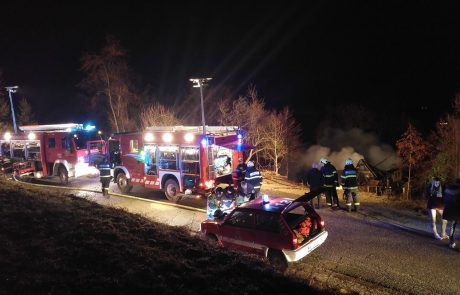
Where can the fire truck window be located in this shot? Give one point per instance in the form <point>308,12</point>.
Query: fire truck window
<point>33,150</point>
<point>168,160</point>
<point>19,150</point>
<point>65,143</point>
<point>134,146</point>
<point>51,142</point>
<point>6,152</point>
<point>190,160</point>
<point>150,160</point>
<point>81,139</point>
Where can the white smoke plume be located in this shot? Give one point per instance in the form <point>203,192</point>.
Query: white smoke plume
<point>338,145</point>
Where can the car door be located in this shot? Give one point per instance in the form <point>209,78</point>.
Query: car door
<point>238,231</point>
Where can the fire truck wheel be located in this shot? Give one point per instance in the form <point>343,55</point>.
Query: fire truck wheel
<point>123,183</point>
<point>63,175</point>
<point>172,190</point>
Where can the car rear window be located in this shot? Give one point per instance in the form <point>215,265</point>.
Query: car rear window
<point>268,222</point>
<point>296,215</point>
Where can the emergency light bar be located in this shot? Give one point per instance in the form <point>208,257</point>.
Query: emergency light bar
<point>52,127</point>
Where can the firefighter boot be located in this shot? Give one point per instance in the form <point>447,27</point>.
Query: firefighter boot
<point>349,207</point>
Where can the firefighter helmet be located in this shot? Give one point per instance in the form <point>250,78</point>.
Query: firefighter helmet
<point>348,161</point>
<point>323,161</point>
<point>250,164</point>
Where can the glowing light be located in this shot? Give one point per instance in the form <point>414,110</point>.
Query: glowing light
<point>81,159</point>
<point>90,127</point>
<point>7,136</point>
<point>99,132</point>
<point>167,137</point>
<point>149,137</point>
<point>204,142</point>
<point>31,136</point>
<point>68,129</point>
<point>209,183</point>
<point>239,136</point>
<point>265,199</point>
<point>189,137</point>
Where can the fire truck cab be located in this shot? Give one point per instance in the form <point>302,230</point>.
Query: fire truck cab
<point>64,150</point>
<point>180,160</point>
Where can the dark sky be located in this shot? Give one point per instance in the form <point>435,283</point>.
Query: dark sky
<point>309,56</point>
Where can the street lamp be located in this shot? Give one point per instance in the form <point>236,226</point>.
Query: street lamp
<point>12,89</point>
<point>200,82</point>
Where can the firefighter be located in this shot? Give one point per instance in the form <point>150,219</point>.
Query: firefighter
<point>253,180</point>
<point>104,172</point>
<point>239,173</point>
<point>350,185</point>
<point>452,208</point>
<point>331,181</point>
<point>315,181</point>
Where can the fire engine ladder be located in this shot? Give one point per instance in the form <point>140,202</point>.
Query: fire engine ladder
<point>221,130</point>
<point>52,127</point>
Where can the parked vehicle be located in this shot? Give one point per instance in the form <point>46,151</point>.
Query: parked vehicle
<point>283,230</point>
<point>180,160</point>
<point>64,150</point>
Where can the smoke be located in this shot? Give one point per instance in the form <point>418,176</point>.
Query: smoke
<point>337,145</point>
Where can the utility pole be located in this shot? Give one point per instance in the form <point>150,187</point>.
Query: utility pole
<point>12,89</point>
<point>200,82</point>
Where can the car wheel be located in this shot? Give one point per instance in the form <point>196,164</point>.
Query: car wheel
<point>172,190</point>
<point>277,260</point>
<point>212,240</point>
<point>63,175</point>
<point>123,183</point>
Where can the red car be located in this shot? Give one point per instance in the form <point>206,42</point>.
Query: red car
<point>283,230</point>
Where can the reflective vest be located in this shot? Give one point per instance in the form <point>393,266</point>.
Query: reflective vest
<point>104,170</point>
<point>349,177</point>
<point>331,178</point>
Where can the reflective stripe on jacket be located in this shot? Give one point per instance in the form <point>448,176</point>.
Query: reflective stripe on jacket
<point>349,177</point>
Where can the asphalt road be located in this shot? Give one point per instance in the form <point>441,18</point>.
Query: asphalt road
<point>361,254</point>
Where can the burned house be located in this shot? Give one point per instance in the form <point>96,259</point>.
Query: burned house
<point>373,179</point>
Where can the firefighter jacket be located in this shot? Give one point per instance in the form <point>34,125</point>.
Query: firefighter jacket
<point>349,177</point>
<point>452,202</point>
<point>104,170</point>
<point>253,178</point>
<point>331,179</point>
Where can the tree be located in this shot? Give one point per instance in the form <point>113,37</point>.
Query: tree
<point>26,115</point>
<point>108,80</point>
<point>280,136</point>
<point>248,112</point>
<point>158,115</point>
<point>412,149</point>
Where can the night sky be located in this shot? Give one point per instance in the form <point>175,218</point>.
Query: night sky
<point>309,56</point>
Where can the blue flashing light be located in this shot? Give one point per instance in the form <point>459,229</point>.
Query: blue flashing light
<point>204,141</point>
<point>239,136</point>
<point>265,199</point>
<point>90,127</point>
<point>69,130</point>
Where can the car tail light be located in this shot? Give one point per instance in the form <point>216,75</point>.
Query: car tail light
<point>322,223</point>
<point>294,242</point>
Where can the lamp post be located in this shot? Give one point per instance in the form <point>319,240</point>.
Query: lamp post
<point>12,89</point>
<point>200,82</point>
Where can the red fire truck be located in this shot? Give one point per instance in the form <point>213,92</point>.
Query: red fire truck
<point>176,159</point>
<point>64,150</point>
